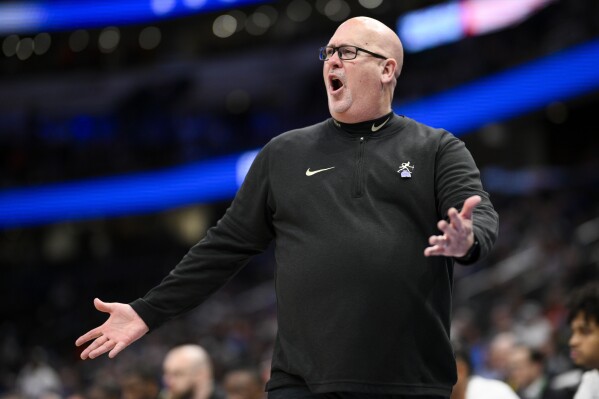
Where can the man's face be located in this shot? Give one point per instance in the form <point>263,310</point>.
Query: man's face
<point>134,387</point>
<point>584,342</point>
<point>353,86</point>
<point>241,385</point>
<point>179,378</point>
<point>522,371</point>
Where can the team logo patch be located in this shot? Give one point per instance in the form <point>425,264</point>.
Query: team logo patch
<point>405,170</point>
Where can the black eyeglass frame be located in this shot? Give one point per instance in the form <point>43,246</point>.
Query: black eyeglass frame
<point>322,51</point>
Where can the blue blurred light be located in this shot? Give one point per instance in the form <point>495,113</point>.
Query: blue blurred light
<point>511,93</point>
<point>431,27</point>
<point>37,16</point>
<point>138,193</point>
<point>555,78</point>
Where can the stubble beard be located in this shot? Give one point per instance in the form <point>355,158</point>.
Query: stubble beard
<point>342,104</point>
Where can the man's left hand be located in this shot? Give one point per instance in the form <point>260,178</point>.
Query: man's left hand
<point>458,235</point>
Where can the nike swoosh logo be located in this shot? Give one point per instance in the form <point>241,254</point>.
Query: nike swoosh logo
<point>376,128</point>
<point>313,172</point>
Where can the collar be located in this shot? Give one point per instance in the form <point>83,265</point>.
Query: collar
<point>373,128</point>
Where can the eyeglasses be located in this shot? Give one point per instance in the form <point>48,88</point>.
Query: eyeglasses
<point>344,52</point>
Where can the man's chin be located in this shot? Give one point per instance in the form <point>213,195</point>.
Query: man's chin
<point>339,107</point>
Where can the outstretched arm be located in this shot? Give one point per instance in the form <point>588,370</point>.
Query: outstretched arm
<point>458,234</point>
<point>123,327</point>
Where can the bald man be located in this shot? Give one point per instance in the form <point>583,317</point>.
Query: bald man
<point>363,208</point>
<point>187,374</point>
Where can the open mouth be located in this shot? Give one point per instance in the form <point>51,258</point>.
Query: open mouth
<point>336,84</point>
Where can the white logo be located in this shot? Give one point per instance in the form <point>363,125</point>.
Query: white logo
<point>313,172</point>
<point>406,170</point>
<point>375,128</point>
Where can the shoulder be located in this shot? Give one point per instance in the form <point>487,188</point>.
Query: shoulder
<point>590,380</point>
<point>479,387</point>
<point>299,136</point>
<point>419,129</point>
<point>418,135</point>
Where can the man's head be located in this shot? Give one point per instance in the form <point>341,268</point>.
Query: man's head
<point>525,366</point>
<point>243,384</point>
<point>584,321</point>
<point>499,351</point>
<point>188,372</point>
<point>362,88</point>
<point>140,382</point>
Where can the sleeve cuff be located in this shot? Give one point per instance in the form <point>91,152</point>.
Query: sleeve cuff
<point>147,314</point>
<point>472,255</point>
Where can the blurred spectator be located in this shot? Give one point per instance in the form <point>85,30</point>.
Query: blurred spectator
<point>471,386</point>
<point>244,383</point>
<point>140,382</point>
<point>104,390</point>
<point>498,355</point>
<point>584,342</point>
<point>528,377</point>
<point>188,374</point>
<point>532,328</point>
<point>37,378</point>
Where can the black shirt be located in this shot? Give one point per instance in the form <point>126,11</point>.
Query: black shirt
<point>351,207</point>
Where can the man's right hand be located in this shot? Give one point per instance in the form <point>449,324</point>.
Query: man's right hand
<point>123,327</point>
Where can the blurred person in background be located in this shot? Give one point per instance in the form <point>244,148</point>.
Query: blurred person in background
<point>104,390</point>
<point>243,383</point>
<point>187,374</point>
<point>498,355</point>
<point>140,382</point>
<point>528,377</point>
<point>584,341</point>
<point>352,202</point>
<point>469,386</point>
<point>38,378</point>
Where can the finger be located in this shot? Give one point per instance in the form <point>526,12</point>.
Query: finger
<point>93,346</point>
<point>469,206</point>
<point>437,240</point>
<point>102,306</point>
<point>107,346</point>
<point>449,232</point>
<point>454,219</point>
<point>435,250</point>
<point>442,225</point>
<point>91,334</point>
<point>117,349</point>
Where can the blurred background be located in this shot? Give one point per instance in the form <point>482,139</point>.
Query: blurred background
<point>127,126</point>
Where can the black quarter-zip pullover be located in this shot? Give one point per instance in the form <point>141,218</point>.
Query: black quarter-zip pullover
<point>350,207</point>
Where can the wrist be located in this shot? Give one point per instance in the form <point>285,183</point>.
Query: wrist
<point>472,254</point>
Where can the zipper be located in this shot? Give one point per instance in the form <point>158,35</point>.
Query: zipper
<point>359,171</point>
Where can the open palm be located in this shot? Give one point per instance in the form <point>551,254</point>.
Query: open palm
<point>123,327</point>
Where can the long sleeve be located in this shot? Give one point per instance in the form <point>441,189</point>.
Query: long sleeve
<point>456,179</point>
<point>244,230</point>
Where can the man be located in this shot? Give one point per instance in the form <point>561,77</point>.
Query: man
<point>526,373</point>
<point>471,386</point>
<point>188,374</point>
<point>243,383</point>
<point>351,203</point>
<point>584,342</point>
<point>140,382</point>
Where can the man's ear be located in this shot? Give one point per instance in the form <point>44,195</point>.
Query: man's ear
<point>388,72</point>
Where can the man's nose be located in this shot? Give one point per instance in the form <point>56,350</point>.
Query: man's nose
<point>573,340</point>
<point>335,61</point>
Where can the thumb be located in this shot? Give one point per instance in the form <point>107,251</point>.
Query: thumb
<point>469,206</point>
<point>102,306</point>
